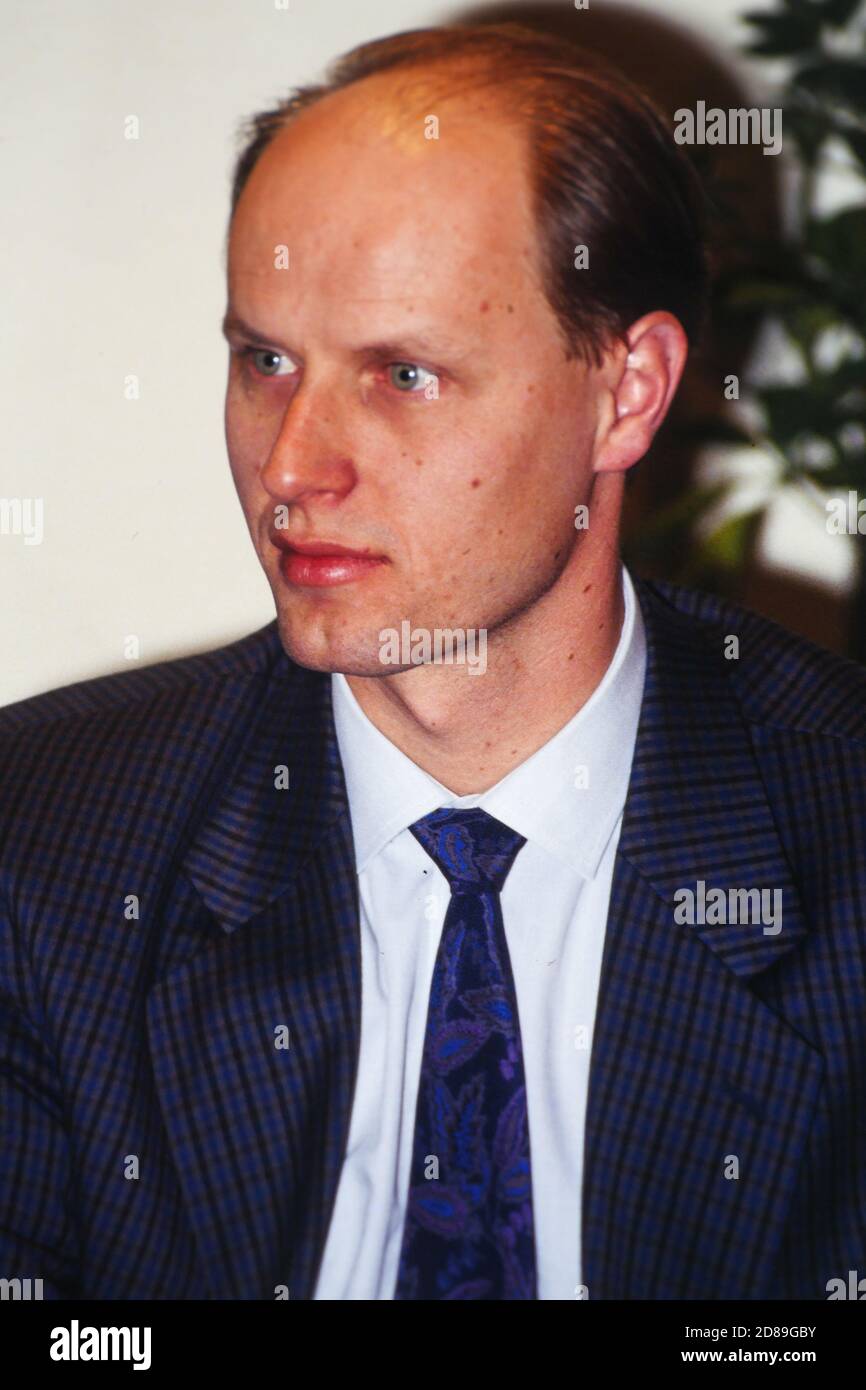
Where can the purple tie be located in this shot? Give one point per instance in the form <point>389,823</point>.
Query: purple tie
<point>468,1231</point>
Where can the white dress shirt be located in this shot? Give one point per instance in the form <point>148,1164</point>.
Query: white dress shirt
<point>567,801</point>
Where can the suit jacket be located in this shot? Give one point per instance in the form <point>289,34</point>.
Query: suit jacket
<point>167,908</point>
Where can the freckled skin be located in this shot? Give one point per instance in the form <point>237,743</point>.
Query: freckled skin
<point>391,237</point>
<point>330,446</point>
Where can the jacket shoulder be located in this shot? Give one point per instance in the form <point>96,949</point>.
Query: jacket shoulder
<point>75,760</point>
<point>781,679</point>
<point>89,699</point>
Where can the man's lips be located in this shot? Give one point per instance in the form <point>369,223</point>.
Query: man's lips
<point>320,564</point>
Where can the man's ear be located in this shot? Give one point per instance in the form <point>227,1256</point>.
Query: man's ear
<point>640,388</point>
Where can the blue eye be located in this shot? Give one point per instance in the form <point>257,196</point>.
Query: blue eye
<point>408,377</point>
<point>267,362</point>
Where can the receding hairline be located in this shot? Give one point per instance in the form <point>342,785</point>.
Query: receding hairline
<point>412,89</point>
<point>603,166</point>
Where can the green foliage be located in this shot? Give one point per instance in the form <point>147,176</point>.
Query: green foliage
<point>812,284</point>
<point>798,26</point>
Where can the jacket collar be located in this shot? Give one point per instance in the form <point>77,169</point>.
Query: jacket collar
<point>283,793</point>
<point>696,810</point>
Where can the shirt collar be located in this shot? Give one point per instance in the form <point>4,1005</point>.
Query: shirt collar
<point>544,798</point>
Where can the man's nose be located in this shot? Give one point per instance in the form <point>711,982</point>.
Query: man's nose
<point>309,455</point>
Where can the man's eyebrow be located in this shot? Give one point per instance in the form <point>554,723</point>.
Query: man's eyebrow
<point>426,345</point>
<point>388,347</point>
<point>233,323</point>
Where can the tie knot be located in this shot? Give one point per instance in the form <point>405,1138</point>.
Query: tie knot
<point>474,850</point>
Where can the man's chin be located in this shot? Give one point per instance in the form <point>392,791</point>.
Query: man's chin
<point>352,654</point>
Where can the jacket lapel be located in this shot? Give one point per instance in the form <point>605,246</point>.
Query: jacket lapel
<point>689,1069</point>
<point>692,1077</point>
<point>258,1129</point>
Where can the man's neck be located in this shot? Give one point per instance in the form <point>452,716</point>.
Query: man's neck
<point>469,731</point>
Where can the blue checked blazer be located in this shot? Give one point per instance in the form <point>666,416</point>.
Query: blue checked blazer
<point>156,1143</point>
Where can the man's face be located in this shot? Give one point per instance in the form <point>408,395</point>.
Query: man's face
<point>412,270</point>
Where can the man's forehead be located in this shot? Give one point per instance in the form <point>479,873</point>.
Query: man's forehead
<point>400,232</point>
<point>386,282</point>
<point>367,225</point>
<point>348,149</point>
<point>389,289</point>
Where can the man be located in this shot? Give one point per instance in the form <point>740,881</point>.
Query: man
<point>488,926</point>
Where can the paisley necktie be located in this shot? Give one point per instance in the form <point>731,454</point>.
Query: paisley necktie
<point>468,1232</point>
